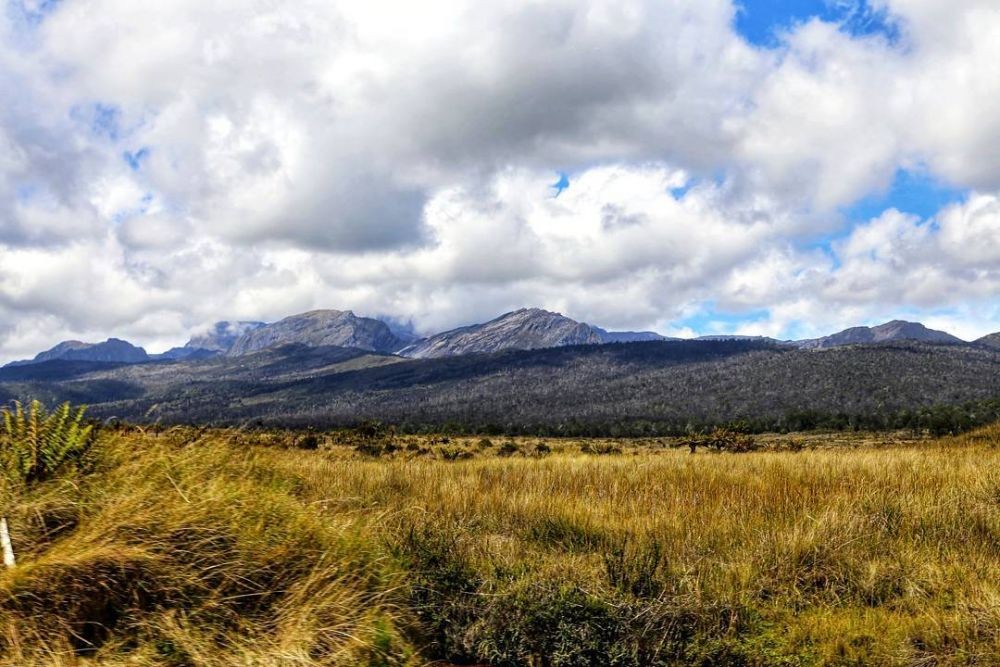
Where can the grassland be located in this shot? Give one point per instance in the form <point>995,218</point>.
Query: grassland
<point>203,547</point>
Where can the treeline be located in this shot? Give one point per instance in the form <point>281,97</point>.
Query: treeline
<point>935,420</point>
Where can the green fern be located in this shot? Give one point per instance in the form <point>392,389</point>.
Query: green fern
<point>36,445</point>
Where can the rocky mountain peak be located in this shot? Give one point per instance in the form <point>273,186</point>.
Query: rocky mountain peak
<point>317,328</point>
<point>522,329</point>
<point>890,331</point>
<point>112,350</point>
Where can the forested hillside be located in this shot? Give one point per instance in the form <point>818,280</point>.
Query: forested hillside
<point>634,388</point>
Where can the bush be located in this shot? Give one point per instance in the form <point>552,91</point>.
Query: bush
<point>454,453</point>
<point>724,440</point>
<point>310,441</point>
<point>508,449</point>
<point>36,445</point>
<point>376,438</point>
<point>376,448</point>
<point>373,429</point>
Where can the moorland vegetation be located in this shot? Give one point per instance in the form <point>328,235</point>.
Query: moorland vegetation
<point>197,546</point>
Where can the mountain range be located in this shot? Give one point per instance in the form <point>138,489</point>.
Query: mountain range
<point>639,388</point>
<point>529,370</point>
<point>524,329</point>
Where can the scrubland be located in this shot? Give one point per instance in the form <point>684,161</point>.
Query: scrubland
<point>189,546</point>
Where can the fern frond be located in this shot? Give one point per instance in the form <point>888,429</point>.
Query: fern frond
<point>36,445</point>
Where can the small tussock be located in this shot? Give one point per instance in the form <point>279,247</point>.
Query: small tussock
<point>88,595</point>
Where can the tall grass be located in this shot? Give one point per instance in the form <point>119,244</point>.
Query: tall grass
<point>200,547</point>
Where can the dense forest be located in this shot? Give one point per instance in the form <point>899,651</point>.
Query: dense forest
<point>646,388</point>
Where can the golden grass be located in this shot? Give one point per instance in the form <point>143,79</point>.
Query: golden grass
<point>195,547</point>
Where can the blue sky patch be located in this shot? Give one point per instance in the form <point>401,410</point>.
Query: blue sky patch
<point>679,192</point>
<point>912,192</point>
<point>709,321</point>
<point>761,22</point>
<point>561,184</point>
<point>134,160</point>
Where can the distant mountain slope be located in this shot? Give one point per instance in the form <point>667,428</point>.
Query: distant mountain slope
<point>111,350</point>
<point>319,328</point>
<point>221,336</point>
<point>731,337</point>
<point>991,340</point>
<point>179,353</point>
<point>524,329</point>
<point>627,388</point>
<point>628,336</point>
<point>895,330</point>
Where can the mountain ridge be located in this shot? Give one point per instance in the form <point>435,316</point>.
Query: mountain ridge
<point>893,330</point>
<point>111,350</point>
<point>319,328</point>
<point>523,329</point>
<point>989,340</point>
<point>636,388</point>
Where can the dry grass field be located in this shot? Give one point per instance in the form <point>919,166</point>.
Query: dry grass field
<point>201,547</point>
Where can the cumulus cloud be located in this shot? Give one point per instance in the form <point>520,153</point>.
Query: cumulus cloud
<point>163,166</point>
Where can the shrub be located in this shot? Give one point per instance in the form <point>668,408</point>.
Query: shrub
<point>36,445</point>
<point>376,438</point>
<point>376,448</point>
<point>725,440</point>
<point>454,453</point>
<point>508,449</point>
<point>310,441</point>
<point>373,429</point>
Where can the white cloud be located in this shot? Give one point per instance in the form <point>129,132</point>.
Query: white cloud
<point>395,158</point>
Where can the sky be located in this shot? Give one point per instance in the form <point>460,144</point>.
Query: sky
<point>783,168</point>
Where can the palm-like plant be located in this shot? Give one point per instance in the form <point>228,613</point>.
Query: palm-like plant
<point>36,445</point>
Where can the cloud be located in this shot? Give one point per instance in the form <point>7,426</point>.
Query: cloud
<point>321,125</point>
<point>839,114</point>
<point>398,159</point>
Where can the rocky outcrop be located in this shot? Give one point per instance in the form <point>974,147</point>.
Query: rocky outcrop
<point>525,329</point>
<point>628,336</point>
<point>320,328</point>
<point>895,330</point>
